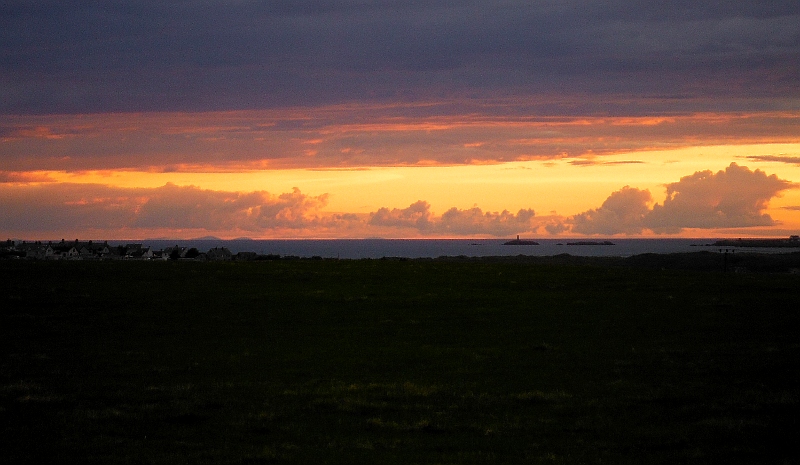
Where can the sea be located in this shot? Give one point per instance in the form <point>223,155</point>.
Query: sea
<point>435,248</point>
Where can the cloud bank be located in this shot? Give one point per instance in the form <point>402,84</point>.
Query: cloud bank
<point>69,207</point>
<point>189,211</point>
<point>148,55</point>
<point>732,198</point>
<point>363,135</point>
<point>735,197</point>
<point>454,222</point>
<point>623,212</point>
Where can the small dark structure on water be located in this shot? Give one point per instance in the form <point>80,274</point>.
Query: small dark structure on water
<point>519,241</point>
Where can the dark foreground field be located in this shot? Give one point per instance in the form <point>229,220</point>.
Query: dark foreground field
<point>388,361</point>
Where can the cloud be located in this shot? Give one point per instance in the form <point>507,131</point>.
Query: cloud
<point>24,177</point>
<point>190,207</point>
<point>454,222</point>
<point>474,221</point>
<point>622,212</point>
<point>735,197</point>
<point>70,207</point>
<point>361,136</point>
<point>416,216</point>
<point>776,158</point>
<point>556,227</point>
<point>147,55</point>
<point>732,198</point>
<point>67,209</point>
<point>54,207</point>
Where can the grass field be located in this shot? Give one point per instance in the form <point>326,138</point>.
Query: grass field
<point>393,361</point>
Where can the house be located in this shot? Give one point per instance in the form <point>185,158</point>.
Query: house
<point>219,253</point>
<point>10,250</point>
<point>67,250</point>
<point>83,250</point>
<point>174,253</point>
<point>86,251</point>
<point>36,250</point>
<point>133,250</point>
<point>160,255</point>
<point>70,253</point>
<point>147,253</point>
<point>104,250</point>
<point>245,256</point>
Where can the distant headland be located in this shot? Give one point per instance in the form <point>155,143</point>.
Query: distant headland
<point>792,241</point>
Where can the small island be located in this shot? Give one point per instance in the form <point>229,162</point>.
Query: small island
<point>519,241</point>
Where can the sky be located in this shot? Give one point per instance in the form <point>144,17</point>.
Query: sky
<point>399,119</point>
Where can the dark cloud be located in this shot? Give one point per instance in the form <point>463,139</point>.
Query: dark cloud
<point>776,158</point>
<point>358,136</point>
<point>732,198</point>
<point>146,55</point>
<point>15,177</point>
<point>65,207</point>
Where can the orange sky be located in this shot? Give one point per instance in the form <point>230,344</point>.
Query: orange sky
<point>364,171</point>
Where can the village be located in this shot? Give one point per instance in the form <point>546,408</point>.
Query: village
<point>89,250</point>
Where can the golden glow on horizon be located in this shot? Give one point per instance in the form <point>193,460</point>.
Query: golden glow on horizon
<point>566,186</point>
<point>359,159</point>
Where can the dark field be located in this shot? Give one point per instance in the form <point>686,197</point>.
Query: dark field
<point>389,361</point>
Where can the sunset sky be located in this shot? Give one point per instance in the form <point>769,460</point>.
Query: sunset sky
<point>399,119</point>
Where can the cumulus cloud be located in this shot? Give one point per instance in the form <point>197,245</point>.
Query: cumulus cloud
<point>556,227</point>
<point>475,221</point>
<point>735,197</point>
<point>455,222</point>
<point>191,207</point>
<point>732,198</point>
<point>115,212</point>
<point>417,216</point>
<point>622,212</point>
<point>60,207</point>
